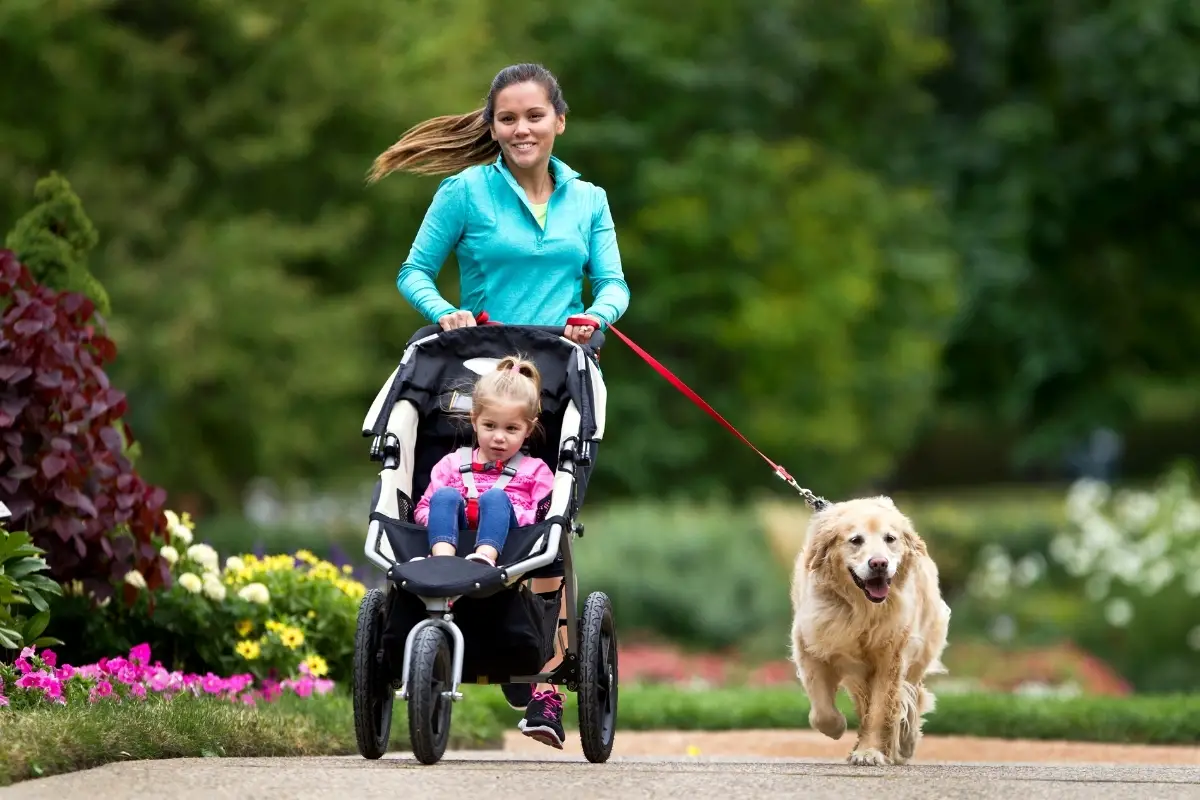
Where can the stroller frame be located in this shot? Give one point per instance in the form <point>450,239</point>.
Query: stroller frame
<point>588,666</point>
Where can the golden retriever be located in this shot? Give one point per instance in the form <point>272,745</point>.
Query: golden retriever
<point>868,615</point>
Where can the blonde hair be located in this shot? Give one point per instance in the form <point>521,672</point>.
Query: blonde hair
<point>452,142</point>
<point>515,380</point>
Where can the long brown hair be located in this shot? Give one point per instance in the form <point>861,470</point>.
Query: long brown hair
<point>452,142</point>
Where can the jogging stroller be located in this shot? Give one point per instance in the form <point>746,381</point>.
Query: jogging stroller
<point>442,622</point>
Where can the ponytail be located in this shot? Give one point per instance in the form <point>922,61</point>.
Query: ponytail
<point>439,146</point>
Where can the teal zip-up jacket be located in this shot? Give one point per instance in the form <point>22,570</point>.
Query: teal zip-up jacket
<point>508,265</point>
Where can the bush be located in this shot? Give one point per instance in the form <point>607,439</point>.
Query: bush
<point>53,240</point>
<point>702,576</point>
<point>22,585</point>
<point>66,477</point>
<point>1121,579</point>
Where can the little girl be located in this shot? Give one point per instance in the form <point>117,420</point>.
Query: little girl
<point>508,484</point>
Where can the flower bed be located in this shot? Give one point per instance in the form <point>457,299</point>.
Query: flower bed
<point>37,679</point>
<point>274,617</point>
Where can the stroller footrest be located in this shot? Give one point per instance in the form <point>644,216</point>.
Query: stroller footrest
<point>447,576</point>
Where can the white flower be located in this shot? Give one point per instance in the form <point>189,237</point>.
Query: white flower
<point>135,579</point>
<point>169,554</point>
<point>205,556</point>
<point>1118,612</point>
<point>255,593</point>
<point>180,533</point>
<point>234,563</point>
<point>191,581</point>
<point>213,587</point>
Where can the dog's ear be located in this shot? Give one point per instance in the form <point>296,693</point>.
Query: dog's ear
<point>823,536</point>
<point>912,541</point>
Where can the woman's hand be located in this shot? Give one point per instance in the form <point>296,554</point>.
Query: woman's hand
<point>457,319</point>
<point>581,333</point>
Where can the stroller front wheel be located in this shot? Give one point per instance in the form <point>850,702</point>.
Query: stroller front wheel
<point>373,694</point>
<point>597,697</point>
<point>428,708</point>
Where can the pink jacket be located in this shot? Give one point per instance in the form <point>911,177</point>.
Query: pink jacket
<point>532,483</point>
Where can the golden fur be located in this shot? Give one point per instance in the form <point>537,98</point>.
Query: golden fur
<point>880,651</point>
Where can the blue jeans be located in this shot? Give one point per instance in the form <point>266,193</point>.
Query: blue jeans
<point>448,513</point>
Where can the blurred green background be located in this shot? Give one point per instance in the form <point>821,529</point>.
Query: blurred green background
<point>937,249</point>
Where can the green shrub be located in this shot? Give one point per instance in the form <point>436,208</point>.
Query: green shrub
<point>24,610</point>
<point>1121,578</point>
<point>702,576</point>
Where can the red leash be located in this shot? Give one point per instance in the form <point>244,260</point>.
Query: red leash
<point>817,503</point>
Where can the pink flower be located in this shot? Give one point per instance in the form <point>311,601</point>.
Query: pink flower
<point>212,684</point>
<point>27,652</point>
<point>104,689</point>
<point>23,666</point>
<point>138,691</point>
<point>31,680</point>
<point>3,701</point>
<point>248,698</point>
<point>53,690</point>
<point>140,654</point>
<point>49,658</point>
<point>65,672</point>
<point>160,680</point>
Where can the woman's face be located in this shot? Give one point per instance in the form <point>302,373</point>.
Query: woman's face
<point>524,124</point>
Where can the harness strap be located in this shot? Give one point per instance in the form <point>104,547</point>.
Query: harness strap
<point>465,468</point>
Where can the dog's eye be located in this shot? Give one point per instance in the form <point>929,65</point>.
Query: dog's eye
<point>856,540</point>
<point>889,538</point>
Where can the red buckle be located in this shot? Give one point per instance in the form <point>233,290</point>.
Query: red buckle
<point>472,513</point>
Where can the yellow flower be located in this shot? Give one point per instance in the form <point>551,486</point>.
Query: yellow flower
<point>291,637</point>
<point>347,569</point>
<point>248,650</point>
<point>312,614</point>
<point>244,627</point>
<point>275,625</point>
<point>316,665</point>
<point>306,556</point>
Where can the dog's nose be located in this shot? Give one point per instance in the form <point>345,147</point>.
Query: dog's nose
<point>878,564</point>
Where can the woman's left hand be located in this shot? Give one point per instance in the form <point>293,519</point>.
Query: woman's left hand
<point>581,333</point>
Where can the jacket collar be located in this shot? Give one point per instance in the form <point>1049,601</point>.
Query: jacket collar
<point>558,168</point>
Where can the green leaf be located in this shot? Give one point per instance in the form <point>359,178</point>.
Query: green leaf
<point>47,641</point>
<point>10,639</point>
<point>36,624</point>
<point>25,566</point>
<point>42,584</point>
<point>35,597</point>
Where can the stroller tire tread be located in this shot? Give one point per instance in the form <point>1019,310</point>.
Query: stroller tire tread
<point>373,697</point>
<point>428,710</point>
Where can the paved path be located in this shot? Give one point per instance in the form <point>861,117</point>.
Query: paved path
<point>540,774</point>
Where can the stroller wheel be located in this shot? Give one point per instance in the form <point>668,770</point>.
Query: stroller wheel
<point>597,697</point>
<point>428,708</point>
<point>372,690</point>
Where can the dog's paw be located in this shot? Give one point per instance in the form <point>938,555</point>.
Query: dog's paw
<point>868,757</point>
<point>832,726</point>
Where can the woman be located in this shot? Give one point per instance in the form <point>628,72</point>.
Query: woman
<point>525,230</point>
<point>523,225</point>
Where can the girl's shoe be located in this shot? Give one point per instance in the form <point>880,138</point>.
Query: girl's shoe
<point>481,558</point>
<point>543,719</point>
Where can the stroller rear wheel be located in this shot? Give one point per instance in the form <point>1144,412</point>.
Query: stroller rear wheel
<point>428,708</point>
<point>373,694</point>
<point>597,697</point>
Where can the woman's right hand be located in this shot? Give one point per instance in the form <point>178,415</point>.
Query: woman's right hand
<point>457,319</point>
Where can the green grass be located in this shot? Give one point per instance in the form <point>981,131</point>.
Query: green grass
<point>52,740</point>
<point>1159,719</point>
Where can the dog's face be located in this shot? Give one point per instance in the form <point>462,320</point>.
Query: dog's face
<point>864,542</point>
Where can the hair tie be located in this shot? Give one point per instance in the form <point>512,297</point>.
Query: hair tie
<point>515,368</point>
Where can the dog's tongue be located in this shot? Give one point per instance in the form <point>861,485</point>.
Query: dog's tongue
<point>877,588</point>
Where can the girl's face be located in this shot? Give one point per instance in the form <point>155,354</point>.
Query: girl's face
<point>501,429</point>
<point>524,124</point>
